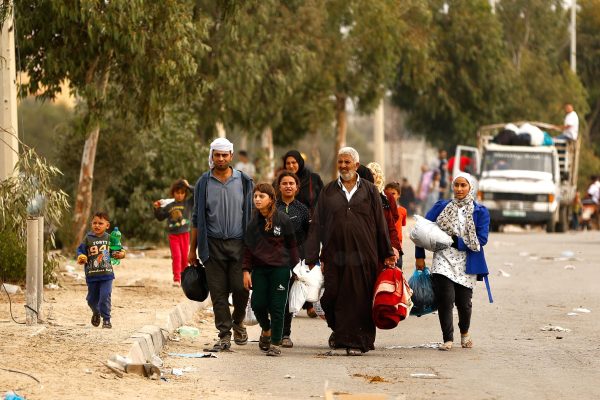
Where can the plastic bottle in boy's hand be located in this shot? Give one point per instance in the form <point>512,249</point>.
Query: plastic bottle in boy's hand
<point>115,244</point>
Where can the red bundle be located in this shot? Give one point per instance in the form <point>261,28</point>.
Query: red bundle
<point>392,299</point>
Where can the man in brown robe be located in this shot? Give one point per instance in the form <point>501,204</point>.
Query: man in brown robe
<point>349,223</point>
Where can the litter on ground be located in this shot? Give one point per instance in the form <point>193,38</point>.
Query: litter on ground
<point>503,273</point>
<point>194,355</point>
<point>569,267</point>
<point>582,310</point>
<point>554,328</point>
<point>432,345</point>
<point>423,375</point>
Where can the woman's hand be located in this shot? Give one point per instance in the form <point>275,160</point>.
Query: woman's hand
<point>192,260</point>
<point>247,280</point>
<point>420,264</point>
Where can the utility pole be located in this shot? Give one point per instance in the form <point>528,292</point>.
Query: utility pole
<point>574,36</point>
<point>9,142</point>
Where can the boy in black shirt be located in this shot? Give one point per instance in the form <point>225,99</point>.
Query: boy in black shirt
<point>95,253</point>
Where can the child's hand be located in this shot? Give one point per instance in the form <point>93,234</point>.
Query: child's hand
<point>82,259</point>
<point>119,254</point>
<point>156,204</point>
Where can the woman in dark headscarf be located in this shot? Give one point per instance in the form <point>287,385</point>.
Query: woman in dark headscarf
<point>310,187</point>
<point>310,182</point>
<point>456,269</point>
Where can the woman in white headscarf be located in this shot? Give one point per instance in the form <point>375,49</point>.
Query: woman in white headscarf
<point>456,269</point>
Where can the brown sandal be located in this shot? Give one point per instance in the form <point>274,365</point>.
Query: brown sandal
<point>466,342</point>
<point>445,346</point>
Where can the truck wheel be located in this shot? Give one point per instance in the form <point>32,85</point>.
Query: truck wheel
<point>551,224</point>
<point>563,220</point>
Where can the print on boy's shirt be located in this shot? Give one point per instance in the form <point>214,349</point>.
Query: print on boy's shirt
<point>98,256</point>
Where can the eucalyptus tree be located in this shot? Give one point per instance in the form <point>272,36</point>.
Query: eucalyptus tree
<point>465,73</point>
<point>145,51</point>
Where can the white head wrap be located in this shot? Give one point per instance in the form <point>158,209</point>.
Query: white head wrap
<point>219,144</point>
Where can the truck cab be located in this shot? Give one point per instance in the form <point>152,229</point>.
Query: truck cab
<point>523,185</point>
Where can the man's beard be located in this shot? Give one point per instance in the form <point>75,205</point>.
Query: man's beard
<point>347,176</point>
<point>221,167</point>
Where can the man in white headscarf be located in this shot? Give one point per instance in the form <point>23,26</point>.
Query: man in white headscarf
<point>222,209</point>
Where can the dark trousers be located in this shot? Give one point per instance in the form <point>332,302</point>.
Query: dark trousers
<point>287,319</point>
<point>447,294</point>
<point>224,276</point>
<point>98,297</point>
<point>269,298</point>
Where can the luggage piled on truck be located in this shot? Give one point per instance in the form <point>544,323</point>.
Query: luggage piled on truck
<point>524,135</point>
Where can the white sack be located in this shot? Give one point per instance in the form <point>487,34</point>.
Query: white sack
<point>537,135</point>
<point>427,234</point>
<point>297,296</point>
<point>250,318</point>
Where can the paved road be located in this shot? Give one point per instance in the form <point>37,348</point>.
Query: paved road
<point>512,358</point>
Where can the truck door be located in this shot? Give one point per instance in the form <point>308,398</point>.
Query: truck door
<point>466,159</point>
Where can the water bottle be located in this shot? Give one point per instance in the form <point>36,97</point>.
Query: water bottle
<point>115,244</point>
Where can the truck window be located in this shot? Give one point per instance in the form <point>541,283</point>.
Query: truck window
<point>499,160</point>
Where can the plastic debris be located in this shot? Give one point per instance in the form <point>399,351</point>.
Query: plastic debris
<point>12,396</point>
<point>157,361</point>
<point>194,355</point>
<point>177,371</point>
<point>570,267</point>
<point>68,268</point>
<point>289,377</point>
<point>188,331</point>
<point>432,345</point>
<point>554,328</point>
<point>52,286</point>
<point>10,289</point>
<point>582,310</point>
<point>503,273</point>
<point>423,375</point>
<point>572,314</point>
<point>568,254</point>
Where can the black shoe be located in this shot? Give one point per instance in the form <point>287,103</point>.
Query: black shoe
<point>240,336</point>
<point>332,341</point>
<point>264,342</point>
<point>96,319</point>
<point>287,342</point>
<point>106,324</point>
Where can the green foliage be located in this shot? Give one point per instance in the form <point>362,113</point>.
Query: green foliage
<point>588,62</point>
<point>465,81</point>
<point>147,49</point>
<point>136,167</point>
<point>13,256</point>
<point>38,122</point>
<point>30,192</point>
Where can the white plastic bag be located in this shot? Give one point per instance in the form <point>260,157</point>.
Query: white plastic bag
<point>312,278</point>
<point>427,234</point>
<point>297,296</point>
<point>250,318</point>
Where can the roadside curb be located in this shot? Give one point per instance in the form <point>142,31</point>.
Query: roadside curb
<point>150,339</point>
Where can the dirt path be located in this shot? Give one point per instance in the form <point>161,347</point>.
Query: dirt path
<point>512,359</point>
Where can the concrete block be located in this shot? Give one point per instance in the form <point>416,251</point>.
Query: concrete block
<point>136,354</point>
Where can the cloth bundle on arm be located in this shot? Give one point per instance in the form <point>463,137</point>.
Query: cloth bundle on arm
<point>392,300</point>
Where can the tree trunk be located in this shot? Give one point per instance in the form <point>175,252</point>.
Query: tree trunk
<point>267,145</point>
<point>83,199</point>
<point>341,128</point>
<point>315,150</point>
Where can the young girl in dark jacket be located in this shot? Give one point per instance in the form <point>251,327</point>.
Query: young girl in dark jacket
<point>270,253</point>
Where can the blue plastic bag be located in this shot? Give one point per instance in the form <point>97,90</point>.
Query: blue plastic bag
<point>423,296</point>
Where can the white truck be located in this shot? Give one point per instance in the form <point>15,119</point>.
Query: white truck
<point>524,185</point>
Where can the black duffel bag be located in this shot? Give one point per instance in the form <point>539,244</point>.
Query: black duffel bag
<point>193,283</point>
